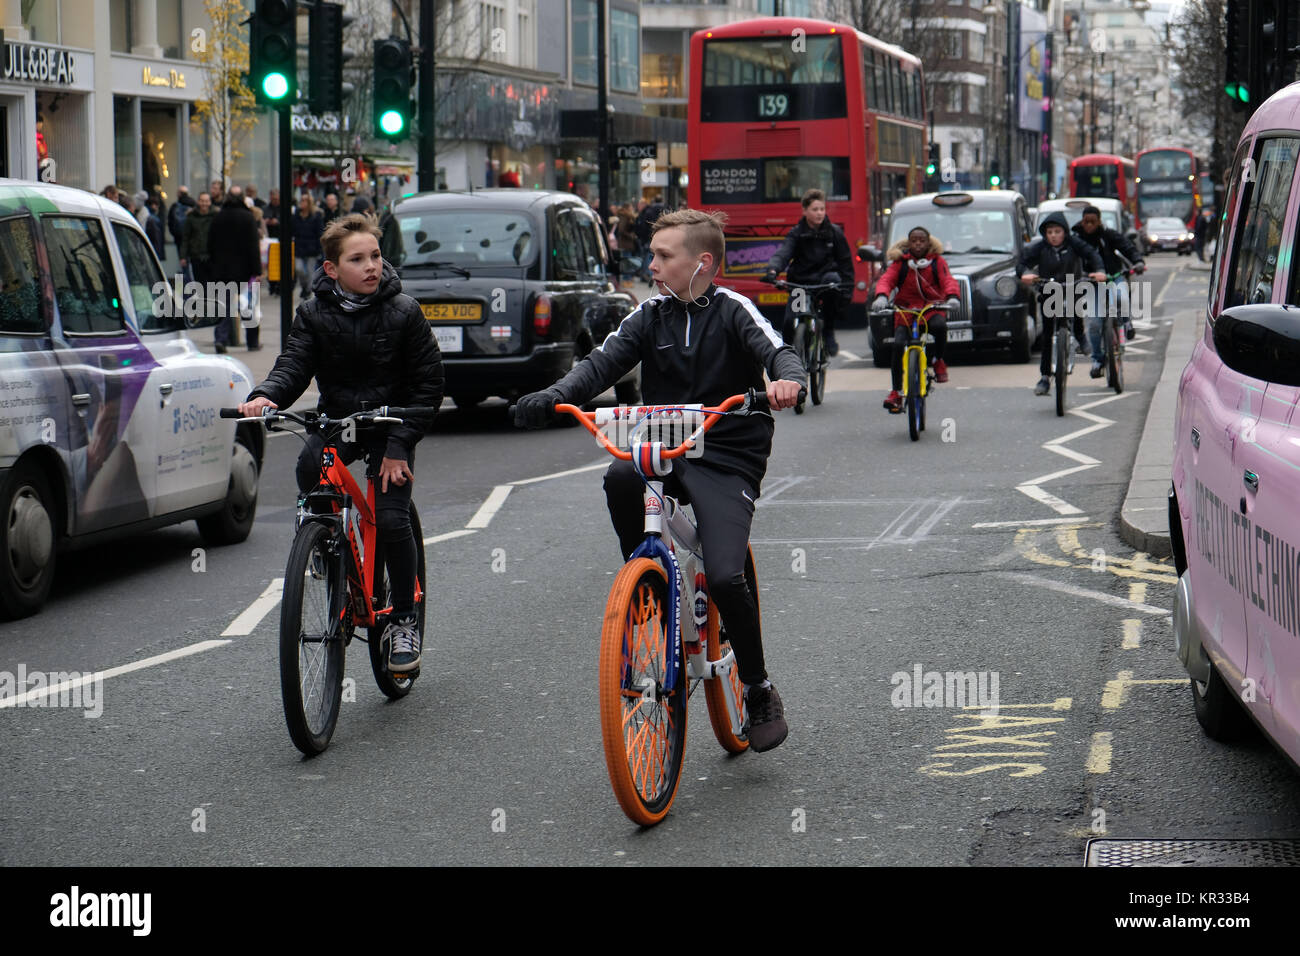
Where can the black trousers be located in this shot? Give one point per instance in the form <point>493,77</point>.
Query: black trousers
<point>903,338</point>
<point>724,511</point>
<point>392,513</point>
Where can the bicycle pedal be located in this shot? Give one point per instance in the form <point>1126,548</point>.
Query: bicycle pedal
<point>404,675</point>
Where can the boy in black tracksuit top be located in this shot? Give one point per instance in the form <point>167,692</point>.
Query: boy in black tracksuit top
<point>1057,256</point>
<point>698,347</point>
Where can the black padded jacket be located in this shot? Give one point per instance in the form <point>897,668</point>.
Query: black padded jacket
<point>695,354</point>
<point>384,354</point>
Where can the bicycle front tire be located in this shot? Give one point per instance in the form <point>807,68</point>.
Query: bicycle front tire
<point>311,638</point>
<point>642,722</point>
<point>1114,357</point>
<point>1063,346</point>
<point>817,362</point>
<point>914,398</point>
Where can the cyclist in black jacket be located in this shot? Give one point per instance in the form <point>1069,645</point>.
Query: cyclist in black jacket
<point>698,346</point>
<point>1112,244</point>
<point>1057,255</point>
<point>814,247</point>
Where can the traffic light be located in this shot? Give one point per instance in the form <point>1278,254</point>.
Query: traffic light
<point>932,166</point>
<point>1236,83</point>
<point>325,58</point>
<point>273,52</point>
<point>392,88</point>
<point>995,175</point>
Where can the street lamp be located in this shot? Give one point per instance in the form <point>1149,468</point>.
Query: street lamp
<point>992,9</point>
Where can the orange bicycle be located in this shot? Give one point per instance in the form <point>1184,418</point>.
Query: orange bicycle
<point>335,581</point>
<point>661,630</point>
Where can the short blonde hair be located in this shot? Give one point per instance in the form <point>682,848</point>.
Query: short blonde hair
<point>338,231</point>
<point>702,231</point>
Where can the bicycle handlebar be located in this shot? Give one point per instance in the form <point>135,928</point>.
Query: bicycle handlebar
<point>385,414</point>
<point>750,402</point>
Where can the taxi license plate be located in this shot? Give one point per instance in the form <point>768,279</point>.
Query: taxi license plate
<point>449,339</point>
<point>773,298</point>
<point>959,335</point>
<point>452,311</point>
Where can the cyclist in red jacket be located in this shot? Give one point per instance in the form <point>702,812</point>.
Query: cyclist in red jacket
<point>919,275</point>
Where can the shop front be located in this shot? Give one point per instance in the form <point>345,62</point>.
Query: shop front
<point>496,131</point>
<point>46,98</point>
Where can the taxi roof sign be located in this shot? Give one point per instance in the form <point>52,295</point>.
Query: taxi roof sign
<point>1078,203</point>
<point>952,199</point>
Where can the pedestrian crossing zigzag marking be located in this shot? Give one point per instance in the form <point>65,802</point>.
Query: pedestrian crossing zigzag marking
<point>1032,487</point>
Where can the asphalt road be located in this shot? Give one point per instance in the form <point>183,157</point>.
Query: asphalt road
<point>990,546</point>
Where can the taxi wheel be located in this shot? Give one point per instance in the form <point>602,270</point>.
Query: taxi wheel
<point>234,521</point>
<point>1218,711</point>
<point>27,535</point>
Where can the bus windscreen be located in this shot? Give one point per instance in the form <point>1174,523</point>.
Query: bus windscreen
<point>760,79</point>
<point>1100,181</point>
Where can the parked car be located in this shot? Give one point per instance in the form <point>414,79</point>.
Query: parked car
<point>1113,214</point>
<point>983,232</point>
<point>1160,233</point>
<point>108,412</point>
<point>518,285</point>
<point>1233,522</point>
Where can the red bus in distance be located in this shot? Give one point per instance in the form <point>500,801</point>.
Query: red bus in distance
<point>780,105</point>
<point>1106,176</point>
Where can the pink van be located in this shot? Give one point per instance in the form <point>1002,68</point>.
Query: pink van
<point>1234,509</point>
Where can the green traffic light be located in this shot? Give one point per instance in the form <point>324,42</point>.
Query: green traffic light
<point>1238,91</point>
<point>275,86</point>
<point>929,169</point>
<point>995,180</point>
<point>392,122</point>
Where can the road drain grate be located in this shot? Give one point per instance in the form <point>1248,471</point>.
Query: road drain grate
<point>1193,853</point>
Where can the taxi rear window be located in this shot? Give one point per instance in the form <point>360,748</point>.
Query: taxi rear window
<point>20,289</point>
<point>85,290</point>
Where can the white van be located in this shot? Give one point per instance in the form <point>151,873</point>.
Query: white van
<point>108,412</point>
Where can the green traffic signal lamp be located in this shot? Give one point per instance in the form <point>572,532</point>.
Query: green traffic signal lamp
<point>273,51</point>
<point>392,122</point>
<point>995,180</point>
<point>929,169</point>
<point>275,86</point>
<point>1238,91</point>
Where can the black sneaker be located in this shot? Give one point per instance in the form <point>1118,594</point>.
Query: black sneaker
<point>767,727</point>
<point>1129,331</point>
<point>403,640</point>
<point>832,347</point>
<point>1096,371</point>
<point>1043,386</point>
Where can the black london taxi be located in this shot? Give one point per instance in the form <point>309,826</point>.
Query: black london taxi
<point>517,284</point>
<point>983,232</point>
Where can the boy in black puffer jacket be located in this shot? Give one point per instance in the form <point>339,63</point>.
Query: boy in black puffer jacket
<point>364,341</point>
<point>1057,256</point>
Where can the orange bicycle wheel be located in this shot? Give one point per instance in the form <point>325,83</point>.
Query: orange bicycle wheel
<point>642,721</point>
<point>719,689</point>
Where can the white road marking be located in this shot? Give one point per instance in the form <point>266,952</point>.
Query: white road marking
<point>1031,486</point>
<point>449,535</point>
<point>23,699</point>
<point>1053,502</point>
<point>487,511</point>
<point>1031,521</point>
<point>561,474</point>
<point>851,356</point>
<point>777,485</point>
<point>253,614</point>
<point>1088,593</point>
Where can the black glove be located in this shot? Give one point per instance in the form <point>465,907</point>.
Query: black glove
<point>1139,268</point>
<point>536,409</point>
<point>769,275</point>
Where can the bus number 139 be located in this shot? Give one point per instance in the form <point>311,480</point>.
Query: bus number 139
<point>773,104</point>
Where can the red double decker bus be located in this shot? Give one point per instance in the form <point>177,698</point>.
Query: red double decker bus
<point>1169,185</point>
<point>780,105</point>
<point>1106,176</point>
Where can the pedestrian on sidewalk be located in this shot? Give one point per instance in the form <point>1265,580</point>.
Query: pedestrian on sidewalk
<point>307,229</point>
<point>176,220</point>
<point>194,238</point>
<point>235,258</point>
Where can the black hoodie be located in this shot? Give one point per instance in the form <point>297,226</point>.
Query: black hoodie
<point>1072,257</point>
